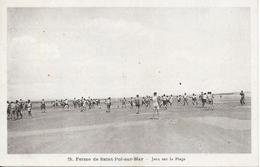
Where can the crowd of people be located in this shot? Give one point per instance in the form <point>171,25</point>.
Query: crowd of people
<point>20,109</point>
<point>17,109</point>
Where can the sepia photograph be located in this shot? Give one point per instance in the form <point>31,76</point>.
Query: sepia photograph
<point>128,80</point>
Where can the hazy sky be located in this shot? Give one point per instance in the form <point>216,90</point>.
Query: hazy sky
<point>100,52</point>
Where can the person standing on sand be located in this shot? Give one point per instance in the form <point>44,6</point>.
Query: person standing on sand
<point>89,102</point>
<point>143,101</point>
<point>137,103</point>
<point>124,102</point>
<point>21,103</point>
<point>194,99</point>
<point>164,102</point>
<point>242,99</point>
<point>131,101</point>
<point>179,99</point>
<point>56,103</point>
<point>185,99</point>
<point>201,98</point>
<point>83,105</point>
<point>43,106</point>
<point>74,102</point>
<point>108,103</point>
<point>204,99</point>
<point>13,107</point>
<point>8,110</point>
<point>210,99</point>
<point>66,104</point>
<point>19,109</point>
<point>171,100</point>
<point>155,105</point>
<point>29,108</point>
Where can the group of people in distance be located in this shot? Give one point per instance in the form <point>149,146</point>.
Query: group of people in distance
<point>19,108</point>
<point>165,101</point>
<point>63,103</point>
<point>85,103</point>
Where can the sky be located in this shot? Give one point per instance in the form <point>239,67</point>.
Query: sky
<point>101,52</point>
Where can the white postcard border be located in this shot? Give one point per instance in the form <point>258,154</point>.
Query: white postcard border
<point>191,159</point>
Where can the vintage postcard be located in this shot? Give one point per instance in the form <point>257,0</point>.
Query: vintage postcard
<point>129,83</point>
